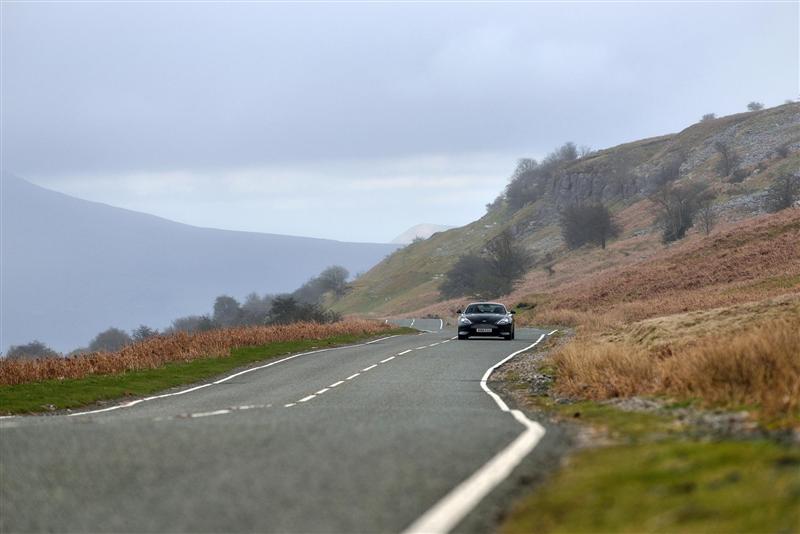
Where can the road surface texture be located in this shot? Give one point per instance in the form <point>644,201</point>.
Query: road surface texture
<point>366,438</point>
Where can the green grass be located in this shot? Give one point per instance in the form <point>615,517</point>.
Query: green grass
<point>60,394</point>
<point>672,486</point>
<point>655,477</point>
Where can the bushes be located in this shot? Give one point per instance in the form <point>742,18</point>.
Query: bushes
<point>587,223</point>
<point>178,347</point>
<point>758,366</point>
<point>783,193</point>
<point>678,205</point>
<point>489,274</point>
<point>728,158</point>
<point>32,350</point>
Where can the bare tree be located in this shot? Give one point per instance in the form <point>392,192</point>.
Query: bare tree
<point>708,117</point>
<point>728,158</point>
<point>678,206</point>
<point>705,210</point>
<point>587,223</point>
<point>755,106</point>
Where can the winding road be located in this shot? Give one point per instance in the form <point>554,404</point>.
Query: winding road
<point>399,434</point>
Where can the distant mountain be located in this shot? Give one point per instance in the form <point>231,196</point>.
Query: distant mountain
<point>423,231</point>
<point>71,268</point>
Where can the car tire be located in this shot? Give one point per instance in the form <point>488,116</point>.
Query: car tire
<point>511,337</point>
<point>462,337</point>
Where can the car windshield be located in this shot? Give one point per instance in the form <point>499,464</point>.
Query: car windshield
<point>486,308</point>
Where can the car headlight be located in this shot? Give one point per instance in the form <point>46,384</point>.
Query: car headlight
<point>464,320</point>
<point>504,320</point>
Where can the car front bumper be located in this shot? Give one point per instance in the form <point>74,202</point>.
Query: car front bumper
<point>483,329</point>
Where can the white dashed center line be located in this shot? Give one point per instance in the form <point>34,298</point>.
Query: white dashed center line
<point>289,405</point>
<point>373,366</point>
<point>352,376</point>
<point>306,399</point>
<point>433,344</point>
<point>206,414</point>
<point>420,348</point>
<point>323,390</point>
<point>339,383</point>
<point>390,358</point>
<point>404,352</point>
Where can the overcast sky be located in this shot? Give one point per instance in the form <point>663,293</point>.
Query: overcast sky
<point>355,121</point>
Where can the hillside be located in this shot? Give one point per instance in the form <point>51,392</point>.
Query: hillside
<point>72,268</point>
<point>622,177</point>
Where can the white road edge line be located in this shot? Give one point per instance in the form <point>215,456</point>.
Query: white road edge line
<point>450,510</point>
<point>441,324</point>
<point>323,390</point>
<point>390,358</point>
<point>225,379</point>
<point>289,405</point>
<point>352,376</point>
<point>553,332</point>
<point>339,383</point>
<point>404,352</point>
<point>306,399</point>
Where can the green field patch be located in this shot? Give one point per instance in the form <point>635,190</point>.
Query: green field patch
<point>671,486</point>
<point>50,395</point>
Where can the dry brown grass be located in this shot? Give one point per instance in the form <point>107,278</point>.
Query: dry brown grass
<point>759,366</point>
<point>179,347</point>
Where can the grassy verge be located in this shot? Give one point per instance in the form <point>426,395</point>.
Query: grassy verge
<point>51,395</point>
<point>650,472</point>
<point>670,486</point>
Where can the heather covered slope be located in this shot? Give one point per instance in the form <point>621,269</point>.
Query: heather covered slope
<point>622,177</point>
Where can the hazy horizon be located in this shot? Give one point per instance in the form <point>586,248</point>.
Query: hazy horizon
<point>357,121</point>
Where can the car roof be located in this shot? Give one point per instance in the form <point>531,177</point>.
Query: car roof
<point>482,302</point>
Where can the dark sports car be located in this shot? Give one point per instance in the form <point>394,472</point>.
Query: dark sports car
<point>486,319</point>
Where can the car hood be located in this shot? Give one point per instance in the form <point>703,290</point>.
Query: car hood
<point>484,317</point>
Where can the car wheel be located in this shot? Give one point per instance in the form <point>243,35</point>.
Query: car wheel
<point>511,337</point>
<point>462,337</point>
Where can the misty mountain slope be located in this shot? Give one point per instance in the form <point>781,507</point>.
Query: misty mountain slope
<point>419,231</point>
<point>71,268</point>
<point>621,177</point>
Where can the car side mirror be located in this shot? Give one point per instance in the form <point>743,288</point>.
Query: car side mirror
<point>513,312</point>
<point>458,311</point>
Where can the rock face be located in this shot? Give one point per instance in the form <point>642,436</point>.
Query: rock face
<point>630,172</point>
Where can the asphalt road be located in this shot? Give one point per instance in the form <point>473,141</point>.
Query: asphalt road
<point>360,439</point>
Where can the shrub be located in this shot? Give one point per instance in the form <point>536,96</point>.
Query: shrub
<point>728,158</point>
<point>784,150</point>
<point>227,311</point>
<point>32,350</point>
<point>287,310</point>
<point>678,205</point>
<point>110,340</point>
<point>494,273</point>
<point>755,106</point>
<point>783,193</point>
<point>143,332</point>
<point>192,323</point>
<point>738,175</point>
<point>708,117</point>
<point>587,223</point>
